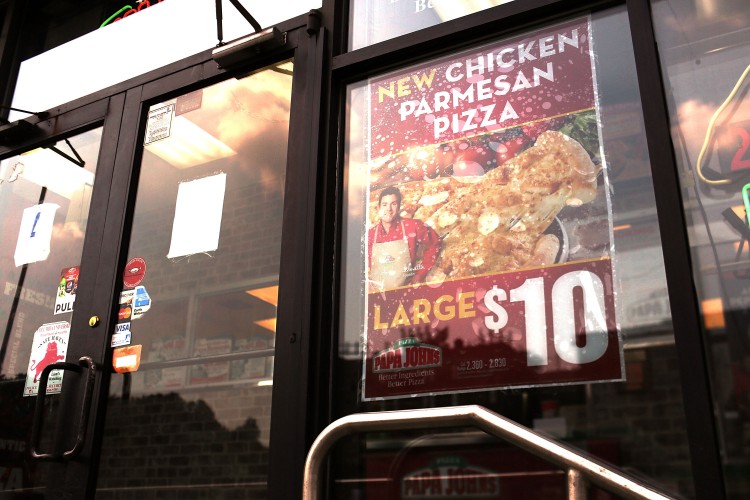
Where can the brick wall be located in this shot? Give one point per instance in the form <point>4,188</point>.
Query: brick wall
<point>165,446</point>
<point>649,422</point>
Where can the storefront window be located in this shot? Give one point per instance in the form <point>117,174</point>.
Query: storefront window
<point>502,248</point>
<point>374,21</point>
<point>704,53</point>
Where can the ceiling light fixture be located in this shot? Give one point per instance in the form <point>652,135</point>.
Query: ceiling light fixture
<point>189,145</point>
<point>268,294</point>
<point>47,168</point>
<point>268,324</point>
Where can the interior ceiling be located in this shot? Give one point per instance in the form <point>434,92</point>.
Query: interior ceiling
<point>69,8</point>
<point>49,23</point>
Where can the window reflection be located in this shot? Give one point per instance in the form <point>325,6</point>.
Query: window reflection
<point>374,21</point>
<point>703,50</point>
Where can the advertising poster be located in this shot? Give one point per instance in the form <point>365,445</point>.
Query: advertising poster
<point>217,371</point>
<point>166,349</point>
<point>50,345</point>
<point>489,229</point>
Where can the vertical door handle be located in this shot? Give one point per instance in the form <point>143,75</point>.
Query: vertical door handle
<point>85,362</point>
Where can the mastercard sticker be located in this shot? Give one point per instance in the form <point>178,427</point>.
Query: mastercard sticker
<point>125,313</point>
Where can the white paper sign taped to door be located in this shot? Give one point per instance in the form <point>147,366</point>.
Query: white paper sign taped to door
<point>197,217</point>
<point>35,234</point>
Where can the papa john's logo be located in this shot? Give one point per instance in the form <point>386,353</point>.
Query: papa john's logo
<point>450,477</point>
<point>407,354</point>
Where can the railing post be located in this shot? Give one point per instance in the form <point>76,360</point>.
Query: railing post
<point>576,485</point>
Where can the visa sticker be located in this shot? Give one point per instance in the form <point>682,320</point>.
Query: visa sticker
<point>122,335</point>
<point>122,327</point>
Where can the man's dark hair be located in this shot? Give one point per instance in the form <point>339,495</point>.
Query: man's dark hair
<point>390,190</point>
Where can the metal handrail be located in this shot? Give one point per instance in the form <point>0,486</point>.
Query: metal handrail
<point>576,465</point>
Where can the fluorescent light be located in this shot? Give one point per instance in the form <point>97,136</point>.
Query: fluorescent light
<point>189,145</point>
<point>265,383</point>
<point>46,168</point>
<point>713,313</point>
<point>268,294</point>
<point>268,324</point>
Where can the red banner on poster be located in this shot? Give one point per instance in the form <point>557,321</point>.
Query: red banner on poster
<point>529,79</point>
<point>489,224</point>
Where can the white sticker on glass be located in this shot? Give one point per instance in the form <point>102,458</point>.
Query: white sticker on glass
<point>50,345</point>
<point>126,361</point>
<point>197,217</point>
<point>159,124</point>
<point>35,234</point>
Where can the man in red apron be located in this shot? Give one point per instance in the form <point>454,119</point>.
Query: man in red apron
<point>393,244</point>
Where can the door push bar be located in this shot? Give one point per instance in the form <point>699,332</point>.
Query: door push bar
<point>577,466</point>
<point>84,362</point>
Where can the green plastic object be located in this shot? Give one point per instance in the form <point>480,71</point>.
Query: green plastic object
<point>746,200</point>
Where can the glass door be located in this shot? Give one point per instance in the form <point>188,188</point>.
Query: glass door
<point>199,295</point>
<point>45,202</point>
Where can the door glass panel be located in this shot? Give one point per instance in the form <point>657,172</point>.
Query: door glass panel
<point>373,21</point>
<point>439,138</point>
<point>44,209</point>
<point>704,54</point>
<point>199,296</point>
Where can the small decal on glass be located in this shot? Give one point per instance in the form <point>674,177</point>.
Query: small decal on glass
<point>126,359</point>
<point>188,102</point>
<point>141,302</point>
<point>135,271</point>
<point>159,124</point>
<point>66,290</point>
<point>122,335</point>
